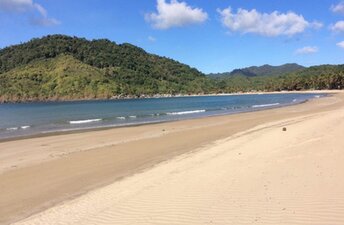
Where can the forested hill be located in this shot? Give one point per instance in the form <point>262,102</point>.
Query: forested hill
<point>265,70</point>
<point>56,59</point>
<point>59,67</point>
<point>323,77</point>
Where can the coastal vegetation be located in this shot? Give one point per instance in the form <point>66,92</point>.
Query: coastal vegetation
<point>59,67</point>
<point>312,78</point>
<point>265,70</point>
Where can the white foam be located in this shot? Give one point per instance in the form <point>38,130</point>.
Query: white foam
<point>132,117</point>
<point>121,117</point>
<point>84,121</point>
<point>154,114</point>
<point>25,127</point>
<point>317,96</point>
<point>265,105</point>
<point>186,112</point>
<point>12,128</point>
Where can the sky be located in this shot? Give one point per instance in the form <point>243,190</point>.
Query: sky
<point>210,35</point>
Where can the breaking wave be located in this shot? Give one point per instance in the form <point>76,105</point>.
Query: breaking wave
<point>84,121</point>
<point>265,105</point>
<point>186,112</point>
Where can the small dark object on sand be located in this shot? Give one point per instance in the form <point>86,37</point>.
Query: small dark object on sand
<point>284,129</point>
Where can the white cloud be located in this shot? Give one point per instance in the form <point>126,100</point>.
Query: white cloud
<point>151,39</point>
<point>175,14</point>
<point>340,44</point>
<point>265,24</point>
<point>41,10</point>
<point>307,50</point>
<point>338,27</point>
<point>22,6</point>
<point>16,5</point>
<point>45,22</point>
<point>316,25</point>
<point>339,8</point>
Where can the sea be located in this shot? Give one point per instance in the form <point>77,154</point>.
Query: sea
<point>27,119</point>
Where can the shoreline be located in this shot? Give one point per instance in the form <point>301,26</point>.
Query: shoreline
<point>30,169</point>
<point>106,127</point>
<point>263,175</point>
<point>162,96</point>
<point>110,127</point>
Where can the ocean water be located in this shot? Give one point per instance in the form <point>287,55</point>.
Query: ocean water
<point>37,118</point>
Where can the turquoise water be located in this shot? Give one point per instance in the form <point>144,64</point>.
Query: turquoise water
<point>37,118</point>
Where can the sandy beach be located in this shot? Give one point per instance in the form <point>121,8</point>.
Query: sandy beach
<point>234,169</point>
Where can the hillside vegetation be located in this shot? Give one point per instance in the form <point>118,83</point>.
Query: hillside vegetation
<point>63,77</point>
<point>59,67</point>
<point>63,67</point>
<point>315,78</point>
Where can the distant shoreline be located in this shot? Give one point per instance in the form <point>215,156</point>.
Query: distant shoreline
<point>114,98</point>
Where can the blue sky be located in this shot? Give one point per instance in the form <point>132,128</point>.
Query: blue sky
<point>213,36</point>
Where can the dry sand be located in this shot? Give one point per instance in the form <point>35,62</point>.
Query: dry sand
<point>238,169</point>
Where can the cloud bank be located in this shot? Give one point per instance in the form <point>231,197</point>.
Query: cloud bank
<point>265,24</point>
<point>23,6</point>
<point>175,14</point>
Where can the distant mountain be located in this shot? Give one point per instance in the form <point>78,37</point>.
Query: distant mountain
<point>323,77</point>
<point>59,67</point>
<point>265,70</point>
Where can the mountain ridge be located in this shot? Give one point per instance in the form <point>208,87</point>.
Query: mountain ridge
<point>264,70</point>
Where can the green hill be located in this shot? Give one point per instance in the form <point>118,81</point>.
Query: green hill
<point>63,67</point>
<point>265,70</point>
<point>63,77</point>
<point>59,67</point>
<point>315,78</point>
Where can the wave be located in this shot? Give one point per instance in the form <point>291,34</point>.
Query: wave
<point>156,114</point>
<point>12,128</point>
<point>17,128</point>
<point>265,105</point>
<point>133,117</point>
<point>121,117</point>
<point>186,112</point>
<point>84,121</point>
